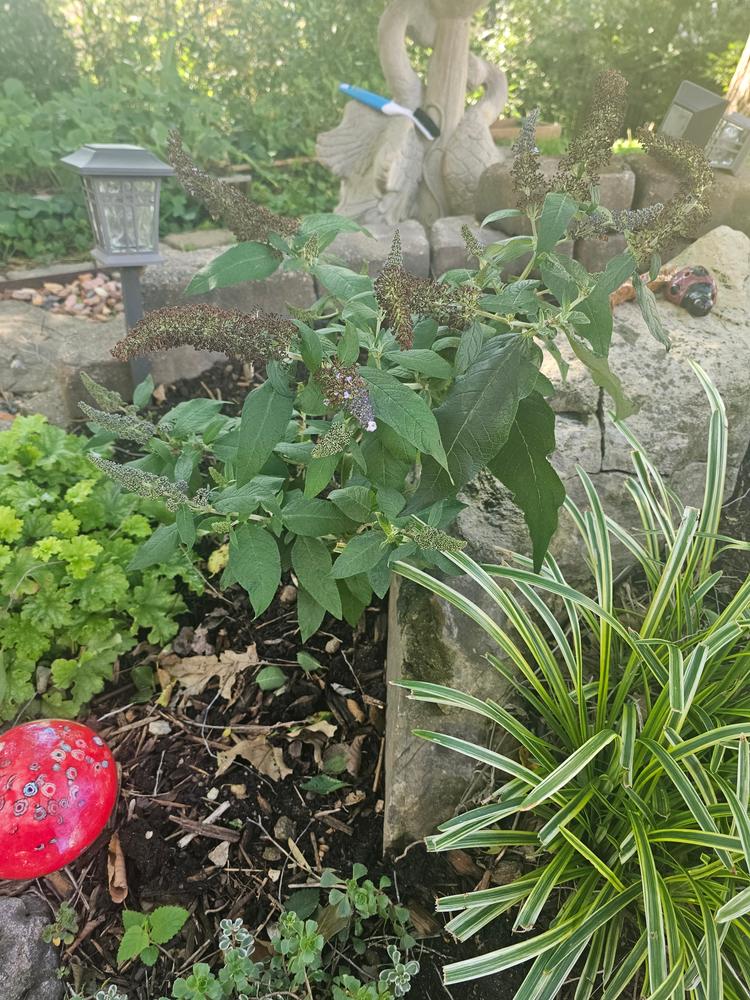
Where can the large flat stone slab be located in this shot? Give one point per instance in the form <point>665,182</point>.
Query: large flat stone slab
<point>42,355</point>
<point>671,423</point>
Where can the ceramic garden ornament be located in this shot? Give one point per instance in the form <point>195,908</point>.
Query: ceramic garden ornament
<point>58,787</point>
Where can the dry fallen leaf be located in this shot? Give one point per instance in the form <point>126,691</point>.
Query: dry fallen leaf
<point>219,856</point>
<point>195,672</point>
<point>257,751</point>
<point>117,879</point>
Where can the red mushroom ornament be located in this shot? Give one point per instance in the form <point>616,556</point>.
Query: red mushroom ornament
<point>58,786</point>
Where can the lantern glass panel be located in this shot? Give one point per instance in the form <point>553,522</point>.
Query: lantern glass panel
<point>124,213</point>
<point>726,145</point>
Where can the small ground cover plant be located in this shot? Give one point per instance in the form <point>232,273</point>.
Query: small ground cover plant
<point>343,939</point>
<point>632,778</point>
<point>388,396</point>
<point>74,595</point>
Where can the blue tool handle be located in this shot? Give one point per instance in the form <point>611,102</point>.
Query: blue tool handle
<point>364,96</point>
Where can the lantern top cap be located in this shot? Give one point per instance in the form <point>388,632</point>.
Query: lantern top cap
<point>116,160</point>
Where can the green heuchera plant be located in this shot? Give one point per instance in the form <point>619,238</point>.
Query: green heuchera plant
<point>388,396</point>
<point>74,594</point>
<point>632,779</point>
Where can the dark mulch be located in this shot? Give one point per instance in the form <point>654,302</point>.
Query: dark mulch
<point>277,836</point>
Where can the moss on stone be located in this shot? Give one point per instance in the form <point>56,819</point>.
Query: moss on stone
<point>421,620</point>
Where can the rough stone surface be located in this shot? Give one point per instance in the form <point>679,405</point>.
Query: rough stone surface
<point>42,355</point>
<point>730,196</point>
<point>495,190</point>
<point>671,423</point>
<point>200,239</point>
<point>29,965</point>
<point>595,254</point>
<point>449,249</point>
<point>358,250</point>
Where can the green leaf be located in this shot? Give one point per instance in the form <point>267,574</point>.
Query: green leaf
<point>158,549</point>
<point>165,922</point>
<point>505,251</point>
<point>605,378</point>
<point>303,902</point>
<point>354,501</point>
<point>242,262</point>
<point>254,563</point>
<point>657,947</point>
<point>735,907</point>
<point>311,561</point>
<point>649,310</point>
<point>501,213</point>
<point>132,918</point>
<point>425,362</point>
<point>134,940</point>
<point>185,522</point>
<point>143,391</point>
<point>270,678</point>
<point>319,473</point>
<point>149,955</point>
<point>522,466</point>
<point>341,282</point>
<point>348,349</point>
<point>308,663</point>
<point>310,614</point>
<point>518,297</point>
<point>326,226</point>
<point>469,347</point>
<point>476,416</point>
<point>265,416</point>
<point>311,347</point>
<point>314,517</point>
<point>557,211</point>
<point>405,411</point>
<point>596,306</point>
<point>322,784</point>
<point>361,554</point>
<point>565,772</point>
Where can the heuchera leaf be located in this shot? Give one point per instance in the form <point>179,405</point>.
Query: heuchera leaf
<point>522,465</point>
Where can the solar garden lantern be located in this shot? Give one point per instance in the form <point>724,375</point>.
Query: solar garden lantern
<point>122,185</point>
<point>693,114</point>
<point>730,144</point>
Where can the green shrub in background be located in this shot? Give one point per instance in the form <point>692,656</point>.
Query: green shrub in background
<point>631,782</point>
<point>553,49</point>
<point>252,81</point>
<point>73,597</point>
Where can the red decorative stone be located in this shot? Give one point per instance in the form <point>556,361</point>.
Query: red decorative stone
<point>58,786</point>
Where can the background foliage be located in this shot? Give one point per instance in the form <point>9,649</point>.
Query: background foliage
<point>253,81</point>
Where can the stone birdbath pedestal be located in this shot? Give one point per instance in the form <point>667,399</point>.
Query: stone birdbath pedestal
<point>390,172</point>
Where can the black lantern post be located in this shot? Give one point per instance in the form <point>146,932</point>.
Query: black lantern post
<point>122,185</point>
